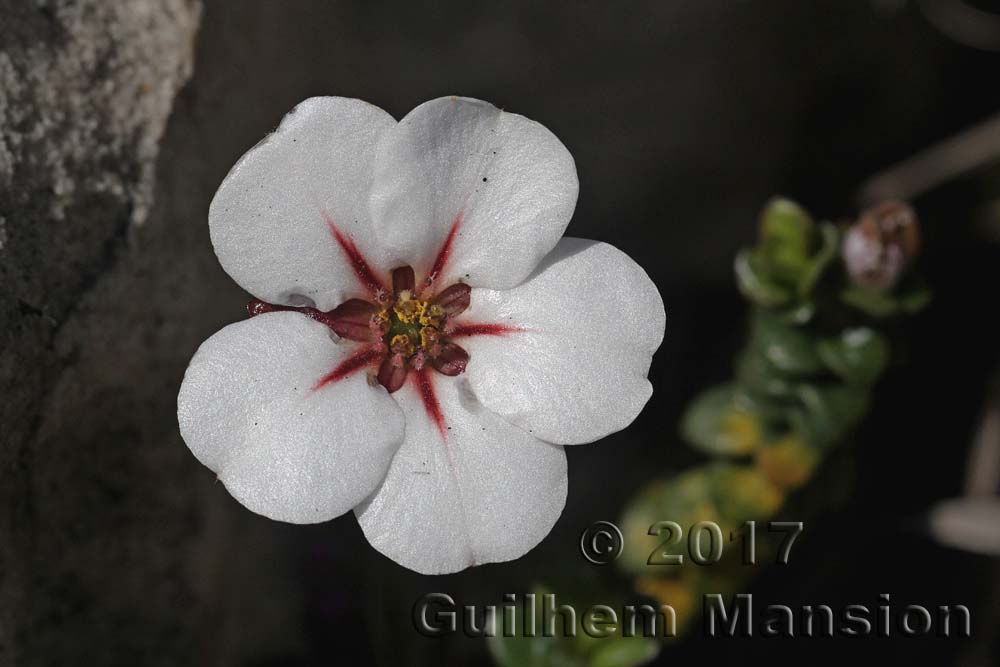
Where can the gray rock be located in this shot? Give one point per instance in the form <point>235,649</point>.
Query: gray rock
<point>86,87</point>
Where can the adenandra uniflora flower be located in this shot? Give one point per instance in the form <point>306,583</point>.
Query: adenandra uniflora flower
<point>422,340</point>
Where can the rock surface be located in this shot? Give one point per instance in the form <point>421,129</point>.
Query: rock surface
<point>86,87</point>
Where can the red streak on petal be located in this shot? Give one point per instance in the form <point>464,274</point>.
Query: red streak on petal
<point>425,388</point>
<point>363,358</point>
<point>484,329</point>
<point>444,254</point>
<point>360,266</point>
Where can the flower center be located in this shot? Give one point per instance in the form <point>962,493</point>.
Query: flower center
<point>404,331</point>
<point>410,324</point>
<point>414,330</point>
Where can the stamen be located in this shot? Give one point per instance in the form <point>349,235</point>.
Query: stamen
<point>408,309</point>
<point>450,360</point>
<point>401,344</point>
<point>380,323</point>
<point>408,332</point>
<point>432,315</point>
<point>428,337</point>
<point>403,279</point>
<point>353,320</point>
<point>454,300</point>
<point>392,376</point>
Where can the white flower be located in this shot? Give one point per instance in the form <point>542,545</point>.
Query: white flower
<point>424,342</point>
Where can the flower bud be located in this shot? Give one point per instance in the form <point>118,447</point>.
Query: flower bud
<point>880,246</point>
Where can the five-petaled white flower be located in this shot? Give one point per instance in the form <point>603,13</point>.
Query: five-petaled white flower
<point>422,341</point>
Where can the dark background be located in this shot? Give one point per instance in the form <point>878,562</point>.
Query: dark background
<point>683,118</point>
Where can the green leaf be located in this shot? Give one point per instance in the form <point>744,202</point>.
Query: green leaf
<point>858,355</point>
<point>788,461</point>
<point>684,498</point>
<point>787,348</point>
<point>744,492</point>
<point>799,313</point>
<point>519,651</point>
<point>874,303</point>
<point>717,424</point>
<point>537,651</point>
<point>786,237</point>
<point>770,408</point>
<point>755,284</point>
<point>762,381</point>
<point>885,304</point>
<point>625,652</point>
<point>829,244</point>
<point>829,412</point>
<point>915,300</point>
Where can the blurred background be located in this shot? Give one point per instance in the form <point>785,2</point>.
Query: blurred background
<point>118,122</point>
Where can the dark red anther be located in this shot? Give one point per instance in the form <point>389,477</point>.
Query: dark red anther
<point>451,360</point>
<point>454,300</point>
<point>352,320</point>
<point>403,279</point>
<point>392,373</point>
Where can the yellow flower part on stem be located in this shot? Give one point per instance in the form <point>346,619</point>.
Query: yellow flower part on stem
<point>747,492</point>
<point>704,512</point>
<point>676,592</point>
<point>789,462</point>
<point>742,431</point>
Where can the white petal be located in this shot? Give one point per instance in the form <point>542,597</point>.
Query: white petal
<point>591,319</point>
<point>483,492</point>
<point>249,411</point>
<point>509,180</point>
<point>269,218</point>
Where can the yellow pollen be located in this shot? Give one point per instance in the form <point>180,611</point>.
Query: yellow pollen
<point>428,336</point>
<point>431,315</point>
<point>408,309</point>
<point>401,344</point>
<point>381,318</point>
